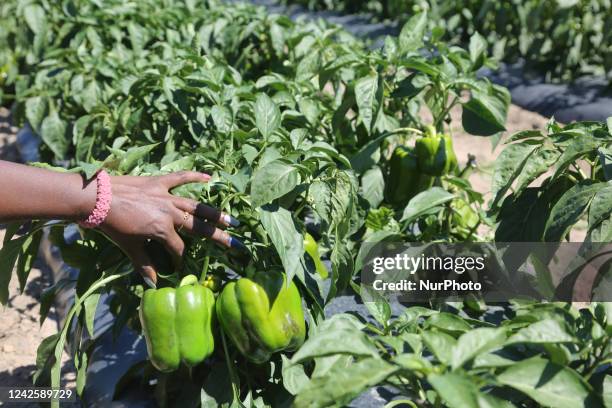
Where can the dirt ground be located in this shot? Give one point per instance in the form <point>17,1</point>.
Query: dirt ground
<point>20,331</point>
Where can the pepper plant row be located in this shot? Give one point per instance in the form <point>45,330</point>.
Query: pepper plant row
<point>561,39</point>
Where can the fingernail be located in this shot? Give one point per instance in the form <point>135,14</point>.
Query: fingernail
<point>206,176</point>
<point>237,244</point>
<point>231,221</point>
<point>150,283</point>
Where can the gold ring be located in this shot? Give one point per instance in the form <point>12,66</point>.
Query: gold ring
<point>185,218</point>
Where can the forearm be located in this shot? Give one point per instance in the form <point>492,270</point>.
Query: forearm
<point>31,193</point>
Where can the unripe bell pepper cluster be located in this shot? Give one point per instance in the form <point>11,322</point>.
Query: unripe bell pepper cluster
<point>412,170</point>
<point>261,315</point>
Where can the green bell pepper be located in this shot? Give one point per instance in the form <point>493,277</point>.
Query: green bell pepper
<point>436,155</point>
<point>312,249</point>
<point>178,324</point>
<point>405,179</point>
<point>262,315</point>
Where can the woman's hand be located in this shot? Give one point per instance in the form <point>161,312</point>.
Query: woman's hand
<point>142,209</point>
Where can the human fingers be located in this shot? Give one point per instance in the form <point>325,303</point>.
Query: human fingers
<point>173,180</point>
<point>201,228</point>
<point>205,212</point>
<point>142,264</point>
<point>174,246</point>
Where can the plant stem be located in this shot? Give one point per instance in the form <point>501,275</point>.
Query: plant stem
<point>445,112</point>
<point>205,266</point>
<point>400,402</point>
<point>230,367</point>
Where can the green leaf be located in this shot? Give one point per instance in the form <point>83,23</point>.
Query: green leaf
<point>80,127</point>
<point>89,309</point>
<point>35,108</point>
<point>411,86</point>
<point>267,115</point>
<point>448,323</point>
<point>133,156</point>
<point>601,206</point>
<point>379,219</point>
<point>537,164</point>
<point>277,36</point>
<point>568,210</point>
<point>412,34</point>
<point>184,163</point>
<point>334,198</point>
<point>308,66</point>
<point>222,117</point>
<point>367,97</point>
<point>524,134</point>
<point>217,389</point>
<point>543,331</point>
<point>29,252</point>
<point>377,305</point>
<point>294,377</point>
<point>412,361</point>
<point>35,17</point>
<point>53,133</point>
<point>58,348</point>
<point>90,96</point>
<point>44,353</point>
<point>373,186</point>
<point>458,391</point>
<point>478,50</point>
<point>484,114</point>
<point>89,169</point>
<point>425,201</point>
<point>288,242</point>
<point>580,146</point>
<point>368,155</point>
<point>605,158</point>
<point>341,384</point>
<point>324,365</point>
<point>342,268</point>
<point>272,181</point>
<point>370,244</point>
<point>476,342</point>
<point>81,361</point>
<point>325,343</point>
<point>607,388</point>
<point>310,109</point>
<point>508,166</point>
<point>563,4</point>
<point>48,297</point>
<point>494,359</point>
<point>601,232</point>
<point>523,218</point>
<point>440,344</point>
<point>547,383</point>
<point>8,256</point>
<point>12,228</point>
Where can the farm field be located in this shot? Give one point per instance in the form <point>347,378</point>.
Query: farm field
<point>259,180</point>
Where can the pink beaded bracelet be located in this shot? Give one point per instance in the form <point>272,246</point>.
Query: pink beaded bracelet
<point>104,197</point>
